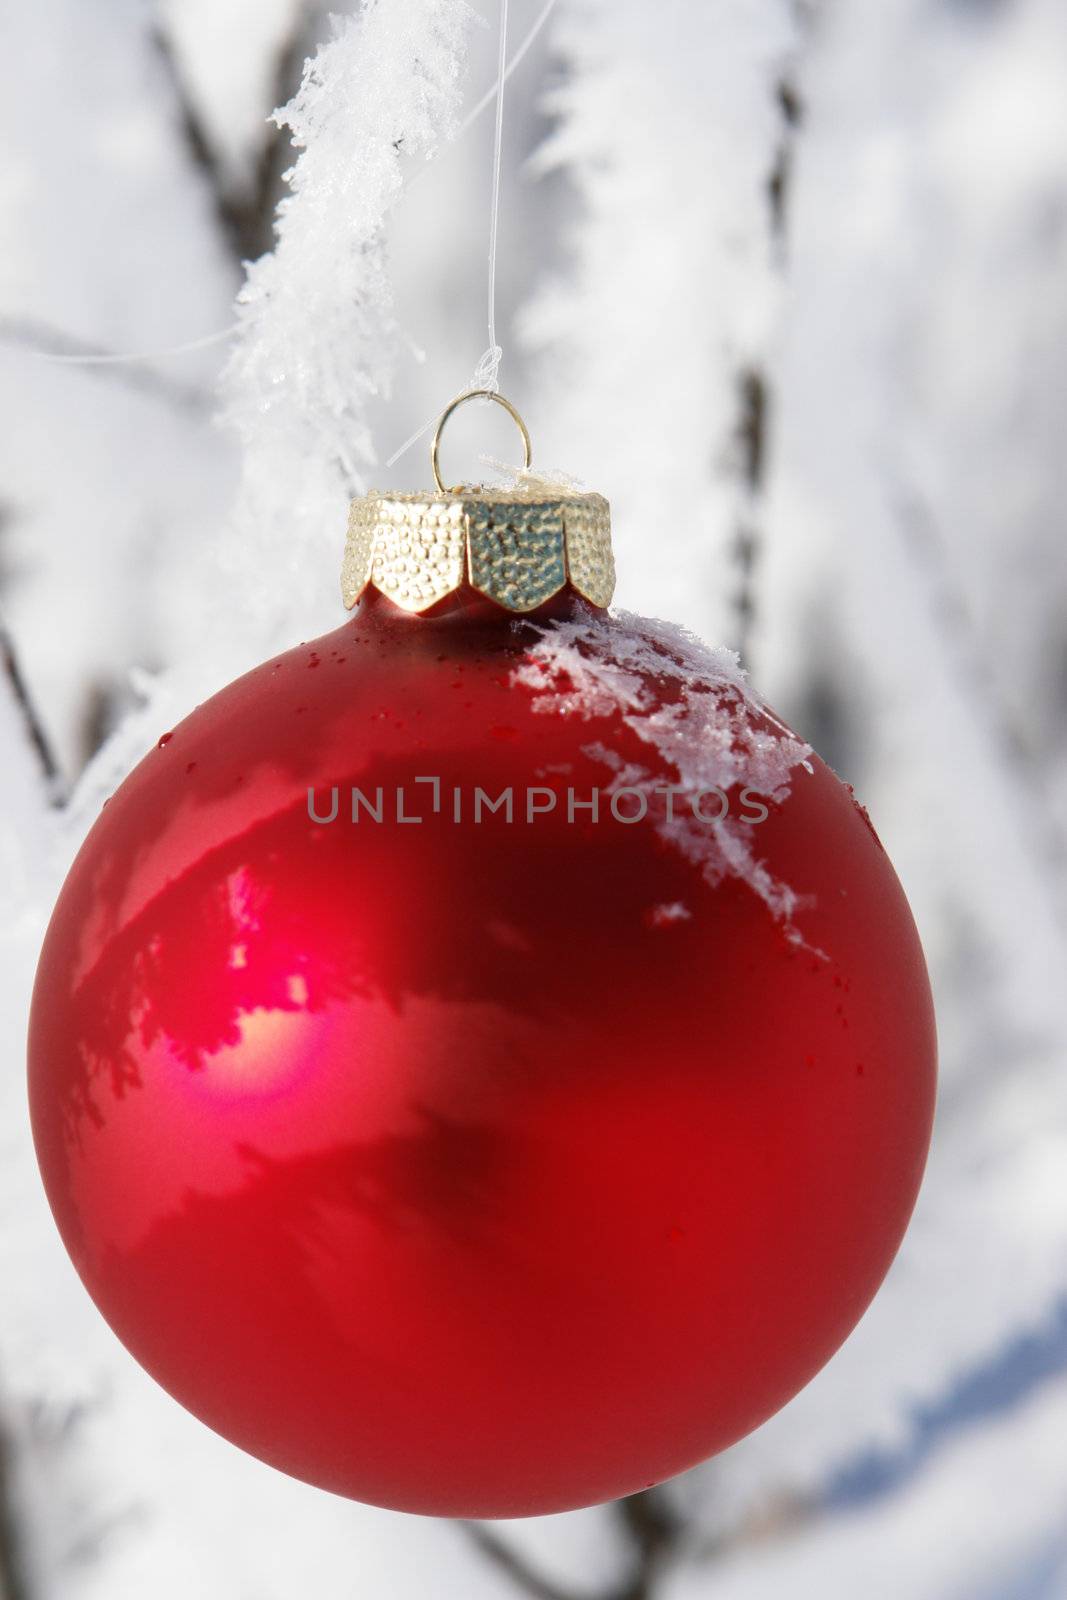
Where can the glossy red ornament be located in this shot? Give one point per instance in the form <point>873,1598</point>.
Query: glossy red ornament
<point>473,1168</point>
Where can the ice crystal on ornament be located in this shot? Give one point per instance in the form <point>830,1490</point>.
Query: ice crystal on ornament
<point>715,734</point>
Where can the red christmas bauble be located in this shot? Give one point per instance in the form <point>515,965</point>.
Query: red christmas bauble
<point>479,1164</point>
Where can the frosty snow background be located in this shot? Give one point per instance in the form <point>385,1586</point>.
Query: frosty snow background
<point>788,283</point>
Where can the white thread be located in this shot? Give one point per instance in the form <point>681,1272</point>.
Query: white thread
<point>106,358</point>
<point>117,358</point>
<point>485,373</point>
<point>490,94</point>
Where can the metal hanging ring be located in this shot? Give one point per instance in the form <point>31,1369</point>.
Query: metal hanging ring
<point>461,400</point>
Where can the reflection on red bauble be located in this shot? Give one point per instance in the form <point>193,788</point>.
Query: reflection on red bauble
<point>481,1167</point>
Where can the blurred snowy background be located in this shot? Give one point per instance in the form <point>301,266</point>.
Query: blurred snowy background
<point>788,282</point>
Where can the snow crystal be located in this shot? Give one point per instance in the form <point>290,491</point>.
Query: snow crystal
<point>713,731</point>
<point>673,911</point>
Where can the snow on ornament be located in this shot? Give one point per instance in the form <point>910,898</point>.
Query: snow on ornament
<point>481,1061</point>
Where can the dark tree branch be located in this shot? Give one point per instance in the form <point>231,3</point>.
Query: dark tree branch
<point>753,387</point>
<point>751,438</point>
<point>752,427</point>
<point>512,1564</point>
<point>13,1585</point>
<point>655,1529</point>
<point>245,211</point>
<point>32,724</point>
<point>779,181</point>
<point>245,214</point>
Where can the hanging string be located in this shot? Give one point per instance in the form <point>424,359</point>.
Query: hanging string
<point>105,358</point>
<point>485,375</point>
<point>485,368</point>
<point>490,94</point>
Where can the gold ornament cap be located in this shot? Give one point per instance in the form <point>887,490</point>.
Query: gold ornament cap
<point>517,546</point>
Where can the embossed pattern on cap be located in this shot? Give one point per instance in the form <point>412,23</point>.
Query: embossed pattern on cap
<point>518,547</point>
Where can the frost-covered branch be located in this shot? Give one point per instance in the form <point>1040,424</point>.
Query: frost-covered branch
<point>1038,810</point>
<point>318,332</point>
<point>655,345</point>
